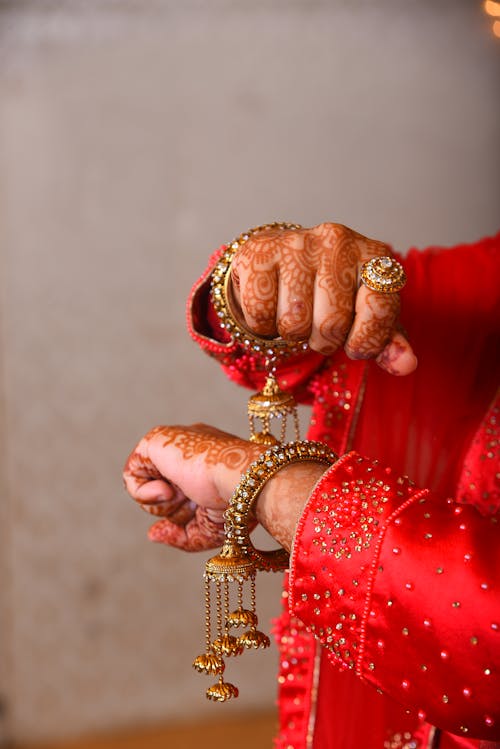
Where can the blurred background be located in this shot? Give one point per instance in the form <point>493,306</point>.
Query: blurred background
<point>135,137</point>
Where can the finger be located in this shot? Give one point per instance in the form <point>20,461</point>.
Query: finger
<point>255,271</point>
<point>199,534</point>
<point>397,357</point>
<point>179,508</point>
<point>334,297</point>
<point>155,495</point>
<point>142,478</point>
<point>297,271</point>
<point>161,499</point>
<point>295,304</point>
<point>374,322</point>
<point>258,295</point>
<point>158,491</point>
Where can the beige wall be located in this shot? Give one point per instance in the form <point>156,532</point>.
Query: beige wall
<point>135,137</point>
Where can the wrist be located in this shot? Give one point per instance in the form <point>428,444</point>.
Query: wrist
<point>228,474</point>
<point>283,498</point>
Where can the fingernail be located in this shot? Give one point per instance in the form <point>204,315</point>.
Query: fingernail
<point>161,499</point>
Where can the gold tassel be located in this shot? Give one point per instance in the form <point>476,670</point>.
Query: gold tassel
<point>271,403</point>
<point>238,564</point>
<point>239,561</point>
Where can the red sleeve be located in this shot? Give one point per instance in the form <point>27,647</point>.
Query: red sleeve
<point>402,587</point>
<point>242,367</point>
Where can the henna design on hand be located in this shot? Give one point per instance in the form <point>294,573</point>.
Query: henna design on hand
<point>192,456</point>
<point>335,286</point>
<point>304,284</point>
<point>390,356</point>
<point>179,509</point>
<point>201,533</point>
<point>373,326</point>
<point>397,358</point>
<point>141,467</point>
<point>254,275</point>
<point>199,439</point>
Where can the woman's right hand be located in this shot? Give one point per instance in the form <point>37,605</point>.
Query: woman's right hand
<point>304,284</point>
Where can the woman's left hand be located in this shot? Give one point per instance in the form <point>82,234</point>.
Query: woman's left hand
<point>186,476</point>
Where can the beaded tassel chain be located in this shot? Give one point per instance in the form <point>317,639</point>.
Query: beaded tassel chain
<point>239,561</point>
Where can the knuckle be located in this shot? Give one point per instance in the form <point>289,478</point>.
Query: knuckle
<point>296,320</point>
<point>364,348</point>
<point>323,346</point>
<point>263,327</point>
<point>375,248</point>
<point>292,331</point>
<point>151,434</point>
<point>357,352</point>
<point>330,227</point>
<point>334,329</point>
<point>340,233</point>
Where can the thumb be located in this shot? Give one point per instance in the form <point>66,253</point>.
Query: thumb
<point>397,358</point>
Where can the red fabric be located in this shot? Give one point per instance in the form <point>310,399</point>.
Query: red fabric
<point>368,550</point>
<point>439,426</point>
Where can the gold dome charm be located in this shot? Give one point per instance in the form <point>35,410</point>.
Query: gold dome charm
<point>227,645</point>
<point>209,663</point>
<point>254,639</point>
<point>222,691</point>
<point>241,618</point>
<point>271,403</point>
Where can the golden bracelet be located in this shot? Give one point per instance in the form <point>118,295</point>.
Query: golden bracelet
<point>224,303</point>
<point>239,561</point>
<point>271,402</point>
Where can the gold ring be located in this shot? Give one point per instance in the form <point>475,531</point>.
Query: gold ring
<point>383,274</point>
<point>223,301</point>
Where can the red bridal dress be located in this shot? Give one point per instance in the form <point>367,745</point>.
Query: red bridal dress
<point>390,632</point>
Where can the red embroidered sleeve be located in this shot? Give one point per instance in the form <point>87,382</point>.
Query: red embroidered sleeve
<point>402,587</point>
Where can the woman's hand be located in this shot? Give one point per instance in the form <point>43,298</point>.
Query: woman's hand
<point>304,284</point>
<point>186,476</point>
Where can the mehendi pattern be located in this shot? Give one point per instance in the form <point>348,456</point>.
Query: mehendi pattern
<point>229,450</point>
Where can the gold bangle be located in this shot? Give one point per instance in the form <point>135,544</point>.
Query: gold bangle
<point>271,402</point>
<point>239,562</point>
<point>236,517</point>
<point>223,302</point>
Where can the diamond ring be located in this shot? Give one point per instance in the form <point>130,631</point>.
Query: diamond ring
<point>383,274</point>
